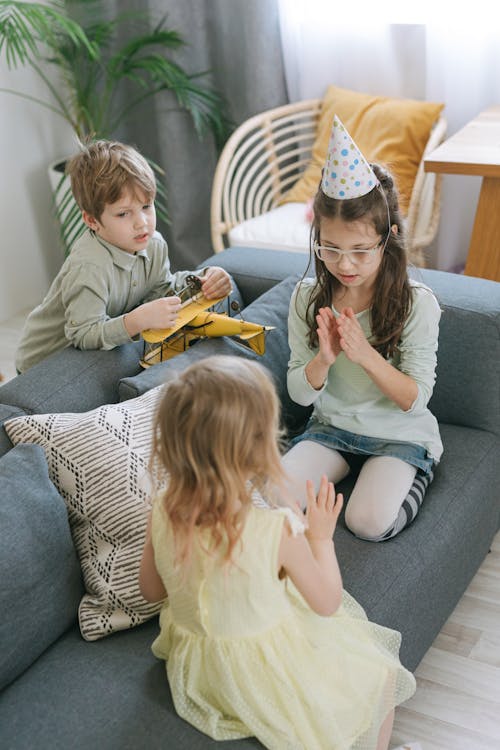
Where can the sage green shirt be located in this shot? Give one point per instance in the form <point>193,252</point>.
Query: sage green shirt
<point>349,399</point>
<point>97,284</point>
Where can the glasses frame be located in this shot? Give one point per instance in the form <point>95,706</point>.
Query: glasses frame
<point>368,253</point>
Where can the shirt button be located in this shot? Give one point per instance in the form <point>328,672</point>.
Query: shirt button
<point>134,283</point>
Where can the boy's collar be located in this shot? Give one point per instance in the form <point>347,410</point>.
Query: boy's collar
<point>121,258</point>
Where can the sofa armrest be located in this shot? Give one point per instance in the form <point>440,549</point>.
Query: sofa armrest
<point>72,380</point>
<point>7,412</point>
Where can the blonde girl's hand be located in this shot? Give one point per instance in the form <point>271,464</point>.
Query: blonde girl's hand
<point>352,339</point>
<point>216,283</point>
<point>323,510</point>
<point>328,336</point>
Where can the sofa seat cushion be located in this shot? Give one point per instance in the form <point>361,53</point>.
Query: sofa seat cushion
<point>286,227</point>
<point>413,581</point>
<point>269,309</point>
<point>99,460</point>
<point>112,694</point>
<point>40,585</point>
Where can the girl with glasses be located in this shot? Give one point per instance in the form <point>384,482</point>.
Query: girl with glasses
<point>363,338</point>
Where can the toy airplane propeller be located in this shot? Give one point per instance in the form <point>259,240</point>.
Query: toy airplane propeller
<point>196,321</point>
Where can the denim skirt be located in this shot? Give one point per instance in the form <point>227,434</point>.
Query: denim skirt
<point>348,443</point>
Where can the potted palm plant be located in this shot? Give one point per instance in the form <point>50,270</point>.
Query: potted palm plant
<point>107,66</point>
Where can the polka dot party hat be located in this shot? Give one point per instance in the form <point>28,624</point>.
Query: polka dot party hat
<point>346,173</point>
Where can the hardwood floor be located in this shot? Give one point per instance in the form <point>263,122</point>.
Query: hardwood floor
<point>457,703</point>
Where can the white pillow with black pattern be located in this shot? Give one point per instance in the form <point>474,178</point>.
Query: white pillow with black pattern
<point>98,460</point>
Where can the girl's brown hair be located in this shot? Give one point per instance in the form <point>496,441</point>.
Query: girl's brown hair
<point>217,437</point>
<point>392,294</point>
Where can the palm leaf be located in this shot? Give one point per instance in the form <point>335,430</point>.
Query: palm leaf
<point>25,26</point>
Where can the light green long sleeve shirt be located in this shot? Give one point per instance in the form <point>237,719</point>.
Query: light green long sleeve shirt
<point>349,399</point>
<point>97,284</point>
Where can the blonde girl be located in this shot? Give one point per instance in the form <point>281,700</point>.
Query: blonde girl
<point>258,636</point>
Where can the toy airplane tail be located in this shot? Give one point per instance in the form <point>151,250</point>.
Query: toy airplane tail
<point>256,341</point>
<point>214,325</point>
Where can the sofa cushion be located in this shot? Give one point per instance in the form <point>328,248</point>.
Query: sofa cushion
<point>392,131</point>
<point>269,309</point>
<point>98,461</point>
<point>40,585</point>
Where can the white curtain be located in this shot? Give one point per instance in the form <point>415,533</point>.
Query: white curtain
<point>431,53</point>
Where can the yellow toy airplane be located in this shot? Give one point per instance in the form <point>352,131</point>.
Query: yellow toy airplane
<point>197,321</point>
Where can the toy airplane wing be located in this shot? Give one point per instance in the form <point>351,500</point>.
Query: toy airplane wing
<point>191,309</point>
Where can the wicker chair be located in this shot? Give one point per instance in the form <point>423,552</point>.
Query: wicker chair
<point>265,156</point>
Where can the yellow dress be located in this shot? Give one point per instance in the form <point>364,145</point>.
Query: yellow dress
<point>246,656</point>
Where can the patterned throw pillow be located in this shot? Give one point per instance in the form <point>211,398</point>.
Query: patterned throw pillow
<point>98,461</point>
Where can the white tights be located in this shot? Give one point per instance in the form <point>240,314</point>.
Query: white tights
<point>374,504</point>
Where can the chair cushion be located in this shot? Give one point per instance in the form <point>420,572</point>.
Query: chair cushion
<point>387,130</point>
<point>40,585</point>
<point>283,228</point>
<point>98,461</point>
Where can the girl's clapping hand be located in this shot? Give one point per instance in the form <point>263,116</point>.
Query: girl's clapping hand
<point>323,510</point>
<point>328,335</point>
<point>352,339</point>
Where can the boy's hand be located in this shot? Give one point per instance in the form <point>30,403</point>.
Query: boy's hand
<point>323,510</point>
<point>161,313</point>
<point>215,283</point>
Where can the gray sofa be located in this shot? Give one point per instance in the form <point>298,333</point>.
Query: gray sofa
<point>60,691</point>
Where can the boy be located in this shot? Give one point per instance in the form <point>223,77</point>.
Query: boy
<point>113,284</point>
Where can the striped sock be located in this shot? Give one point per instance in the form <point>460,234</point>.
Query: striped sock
<point>411,504</point>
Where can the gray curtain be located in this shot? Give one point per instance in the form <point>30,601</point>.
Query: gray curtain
<point>239,43</point>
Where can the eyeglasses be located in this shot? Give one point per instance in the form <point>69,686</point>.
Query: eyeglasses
<point>334,254</point>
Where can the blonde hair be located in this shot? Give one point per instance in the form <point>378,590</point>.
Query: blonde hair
<point>102,170</point>
<point>216,430</point>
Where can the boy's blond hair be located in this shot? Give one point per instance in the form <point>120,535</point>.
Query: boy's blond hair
<point>102,170</point>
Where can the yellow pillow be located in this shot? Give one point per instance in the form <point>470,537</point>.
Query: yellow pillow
<point>393,132</point>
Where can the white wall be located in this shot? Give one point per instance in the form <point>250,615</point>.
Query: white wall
<point>30,138</point>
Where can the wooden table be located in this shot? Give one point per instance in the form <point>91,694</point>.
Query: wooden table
<point>475,150</point>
